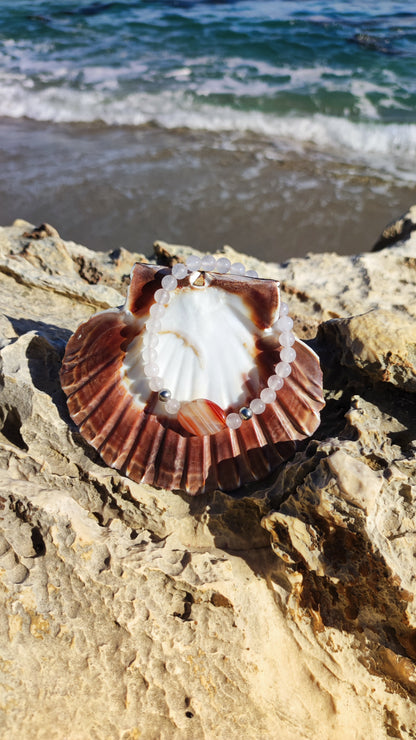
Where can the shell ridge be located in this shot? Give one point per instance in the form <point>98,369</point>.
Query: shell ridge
<point>282,430</point>
<point>209,465</point>
<point>75,387</point>
<point>83,413</point>
<point>134,446</point>
<point>95,334</point>
<point>226,464</point>
<point>307,366</point>
<point>213,458</point>
<point>308,349</point>
<point>301,408</point>
<point>253,434</point>
<point>269,446</point>
<point>112,423</point>
<point>129,440</point>
<point>244,469</point>
<point>185,484</point>
<point>101,411</point>
<point>303,403</point>
<point>292,406</point>
<point>200,471</point>
<point>180,461</point>
<point>155,454</point>
<point>170,462</point>
<point>74,361</point>
<point>141,452</point>
<point>253,461</point>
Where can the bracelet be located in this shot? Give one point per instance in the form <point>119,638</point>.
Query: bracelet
<point>283,327</point>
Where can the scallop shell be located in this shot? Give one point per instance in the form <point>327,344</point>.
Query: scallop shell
<point>215,343</point>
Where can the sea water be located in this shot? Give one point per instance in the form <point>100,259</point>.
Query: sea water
<point>205,122</point>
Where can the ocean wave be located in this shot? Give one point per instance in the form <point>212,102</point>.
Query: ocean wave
<point>388,147</point>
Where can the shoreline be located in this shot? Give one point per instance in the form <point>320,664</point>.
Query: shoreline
<point>108,187</point>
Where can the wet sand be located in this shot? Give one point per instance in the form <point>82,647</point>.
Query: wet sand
<point>108,187</point>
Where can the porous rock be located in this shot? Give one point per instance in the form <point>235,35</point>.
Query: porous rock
<point>380,344</point>
<point>284,611</point>
<point>397,231</point>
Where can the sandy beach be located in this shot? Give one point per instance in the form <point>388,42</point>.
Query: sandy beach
<point>122,186</point>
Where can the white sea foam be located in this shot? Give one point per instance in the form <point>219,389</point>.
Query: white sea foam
<point>390,148</point>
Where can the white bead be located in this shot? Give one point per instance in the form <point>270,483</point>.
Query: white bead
<point>283,369</point>
<point>275,382</point>
<point>208,262</point>
<point>149,355</point>
<point>179,271</point>
<point>172,406</point>
<point>257,406</point>
<point>151,340</point>
<point>157,310</point>
<point>223,265</point>
<point>162,296</point>
<point>156,383</point>
<point>251,273</point>
<point>151,369</point>
<point>268,395</point>
<point>287,354</point>
<point>237,268</point>
<point>287,338</point>
<point>193,262</point>
<point>233,421</point>
<point>284,309</point>
<point>283,324</point>
<point>153,325</point>
<point>169,282</point>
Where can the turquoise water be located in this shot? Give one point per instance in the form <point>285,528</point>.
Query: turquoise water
<point>267,84</point>
<point>333,74</point>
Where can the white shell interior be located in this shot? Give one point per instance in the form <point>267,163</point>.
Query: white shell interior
<point>206,348</point>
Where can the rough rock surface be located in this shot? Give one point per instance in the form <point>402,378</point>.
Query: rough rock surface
<point>397,231</point>
<point>286,611</point>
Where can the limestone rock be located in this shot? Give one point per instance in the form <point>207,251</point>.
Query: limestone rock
<point>134,612</point>
<point>397,231</point>
<point>381,344</point>
<point>346,532</point>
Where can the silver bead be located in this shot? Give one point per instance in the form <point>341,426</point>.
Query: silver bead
<point>245,413</point>
<point>165,395</point>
